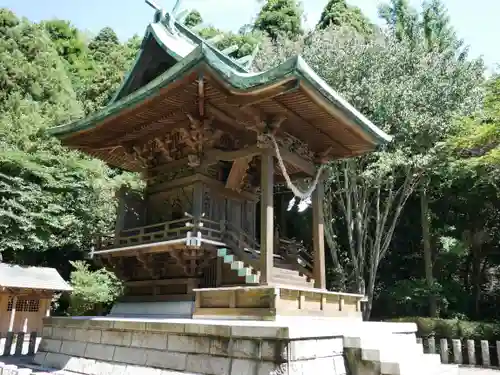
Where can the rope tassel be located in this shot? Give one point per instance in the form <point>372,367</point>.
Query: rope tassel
<point>304,197</point>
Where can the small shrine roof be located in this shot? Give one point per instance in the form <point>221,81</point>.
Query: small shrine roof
<point>40,278</point>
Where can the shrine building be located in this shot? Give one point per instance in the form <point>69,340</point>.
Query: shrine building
<point>211,138</point>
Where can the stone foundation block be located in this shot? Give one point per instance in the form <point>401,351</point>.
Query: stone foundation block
<point>243,367</point>
<point>99,351</point>
<point>133,356</point>
<point>87,335</point>
<point>166,360</point>
<point>149,340</point>
<point>40,357</point>
<point>50,345</point>
<point>207,364</point>
<point>119,338</point>
<point>73,348</point>
<point>245,349</point>
<point>63,333</point>
<point>56,360</point>
<point>188,344</point>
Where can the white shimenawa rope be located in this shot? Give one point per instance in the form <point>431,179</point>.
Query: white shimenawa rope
<point>299,194</point>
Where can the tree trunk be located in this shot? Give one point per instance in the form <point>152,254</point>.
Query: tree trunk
<point>476,278</point>
<point>426,237</point>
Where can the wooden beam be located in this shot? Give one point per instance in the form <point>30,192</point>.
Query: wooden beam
<point>185,181</point>
<point>318,237</point>
<point>266,218</point>
<point>237,173</point>
<point>297,161</point>
<point>217,155</point>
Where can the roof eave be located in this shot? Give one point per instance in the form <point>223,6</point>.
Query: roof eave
<point>238,81</point>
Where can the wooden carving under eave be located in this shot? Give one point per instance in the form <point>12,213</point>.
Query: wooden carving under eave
<point>200,135</point>
<point>177,144</point>
<point>238,173</point>
<point>146,260</point>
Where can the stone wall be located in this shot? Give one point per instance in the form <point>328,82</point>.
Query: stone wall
<point>112,346</point>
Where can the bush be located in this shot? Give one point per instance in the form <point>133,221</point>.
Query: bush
<point>93,291</point>
<point>454,328</point>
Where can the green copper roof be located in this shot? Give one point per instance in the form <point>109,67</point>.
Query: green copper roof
<point>295,67</point>
<point>177,43</point>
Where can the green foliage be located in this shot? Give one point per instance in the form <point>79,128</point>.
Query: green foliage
<point>454,328</point>
<point>431,27</point>
<point>477,142</point>
<point>193,18</point>
<point>339,13</point>
<point>280,18</point>
<point>51,199</point>
<point>111,60</point>
<point>93,291</point>
<point>246,41</point>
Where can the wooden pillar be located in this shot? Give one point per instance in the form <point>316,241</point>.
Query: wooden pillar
<point>266,218</point>
<point>318,237</point>
<point>48,303</point>
<point>12,314</point>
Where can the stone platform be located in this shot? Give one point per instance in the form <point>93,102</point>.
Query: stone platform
<point>103,346</point>
<point>285,346</point>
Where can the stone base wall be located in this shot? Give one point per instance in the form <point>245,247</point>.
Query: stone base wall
<point>111,346</point>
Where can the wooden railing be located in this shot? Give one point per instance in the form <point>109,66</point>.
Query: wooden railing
<point>169,230</point>
<point>210,229</point>
<point>244,246</point>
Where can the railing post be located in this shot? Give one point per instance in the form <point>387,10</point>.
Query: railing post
<point>32,344</point>
<point>432,345</point>
<point>471,352</point>
<point>444,350</point>
<point>457,351</point>
<point>485,353</point>
<point>9,339</point>
<point>19,344</point>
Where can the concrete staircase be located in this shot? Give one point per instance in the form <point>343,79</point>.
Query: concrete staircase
<point>280,275</point>
<point>250,275</point>
<point>284,276</point>
<point>392,354</point>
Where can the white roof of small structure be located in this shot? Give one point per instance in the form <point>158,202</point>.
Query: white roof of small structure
<point>41,278</point>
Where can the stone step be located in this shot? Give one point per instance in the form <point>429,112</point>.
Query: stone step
<point>408,364</point>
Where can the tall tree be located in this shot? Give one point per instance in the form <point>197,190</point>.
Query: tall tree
<point>406,91</point>
<point>280,18</point>
<point>431,28</point>
<point>111,60</point>
<point>50,198</point>
<point>339,13</point>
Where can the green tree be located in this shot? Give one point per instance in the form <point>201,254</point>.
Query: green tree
<point>193,18</point>
<point>339,13</point>
<point>407,92</point>
<point>477,143</point>
<point>93,291</point>
<point>50,198</point>
<point>280,18</point>
<point>111,60</point>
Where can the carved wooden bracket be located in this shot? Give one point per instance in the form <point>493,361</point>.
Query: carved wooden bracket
<point>146,260</point>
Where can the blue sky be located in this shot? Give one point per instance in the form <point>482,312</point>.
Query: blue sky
<point>476,21</point>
